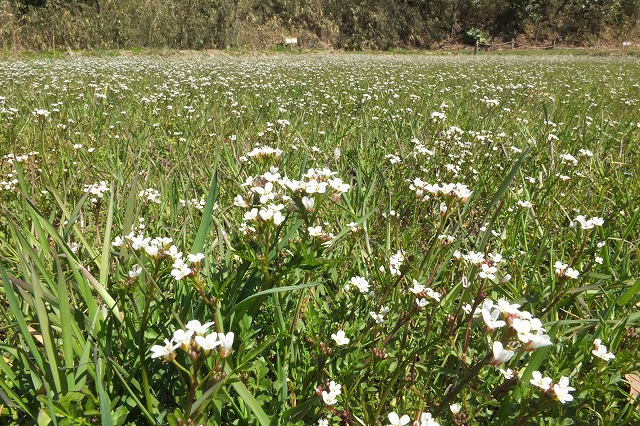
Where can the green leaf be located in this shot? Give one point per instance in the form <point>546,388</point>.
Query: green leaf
<point>105,405</point>
<point>205,223</point>
<point>206,398</point>
<point>106,243</point>
<point>295,413</point>
<point>250,401</point>
<point>274,290</point>
<point>255,352</point>
<point>16,309</point>
<point>628,295</point>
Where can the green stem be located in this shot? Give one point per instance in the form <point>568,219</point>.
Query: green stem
<point>180,367</point>
<point>193,388</point>
<point>143,361</point>
<point>466,379</point>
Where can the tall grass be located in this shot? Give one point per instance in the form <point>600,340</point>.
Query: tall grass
<point>405,265</point>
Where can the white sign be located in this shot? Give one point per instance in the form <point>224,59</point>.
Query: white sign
<point>291,40</point>
<point>626,43</point>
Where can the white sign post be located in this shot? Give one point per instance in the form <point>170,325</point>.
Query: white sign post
<point>291,41</point>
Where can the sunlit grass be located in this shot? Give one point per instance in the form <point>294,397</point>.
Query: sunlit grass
<point>439,186</point>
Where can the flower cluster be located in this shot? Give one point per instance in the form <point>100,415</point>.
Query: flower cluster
<point>97,190</point>
<point>587,223</point>
<point>195,340</point>
<point>564,271</point>
<point>11,158</point>
<point>568,159</point>
<point>160,248</point>
<point>358,282</point>
<point>10,184</point>
<point>264,151</point>
<point>423,293</point>
<point>271,195</point>
<point>559,391</point>
<point>151,195</point>
<point>395,262</point>
<point>424,191</point>
<point>527,330</point>
<point>195,203</point>
<point>488,264</point>
<point>425,420</point>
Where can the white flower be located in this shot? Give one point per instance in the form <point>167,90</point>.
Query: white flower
<point>474,257</point>
<point>118,242</point>
<point>417,287</point>
<point>571,273</point>
<point>378,318</point>
<point>250,215</point>
<point>340,338</point>
<point>195,258</point>
<point>199,328</point>
<point>395,420</point>
<point>240,202</point>
<point>360,283</point>
<point>209,342</point>
<point>323,422</point>
<point>427,420</point>
<point>166,351</point>
<point>455,409</point>
<point>537,340</point>
<point>151,250</point>
<point>173,253</point>
<point>523,328</point>
<point>180,270</point>
<point>315,231</point>
<point>488,271</point>
<point>226,343</point>
<point>433,294</point>
<point>135,271</point>
<point>508,374</point>
<point>338,185</point>
<point>525,204</point>
<point>313,186</point>
<point>507,308</point>
<point>562,389</point>
<point>490,316</point>
<point>600,351</point>
<point>500,354</point>
<point>278,218</point>
<point>395,262</point>
<point>182,338</point>
<point>543,383</point>
<point>139,242</point>
<point>329,398</point>
<point>438,116</point>
<point>308,203</point>
<point>335,387</point>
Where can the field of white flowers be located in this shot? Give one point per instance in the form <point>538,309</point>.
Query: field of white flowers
<point>320,240</point>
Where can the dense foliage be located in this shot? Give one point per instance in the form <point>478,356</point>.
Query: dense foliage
<point>345,24</point>
<point>319,239</point>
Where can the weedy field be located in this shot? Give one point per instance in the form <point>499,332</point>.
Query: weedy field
<point>320,239</point>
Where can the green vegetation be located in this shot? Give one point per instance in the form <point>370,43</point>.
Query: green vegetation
<point>316,239</point>
<point>341,24</point>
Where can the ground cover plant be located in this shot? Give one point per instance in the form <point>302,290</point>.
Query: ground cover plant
<point>329,239</point>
